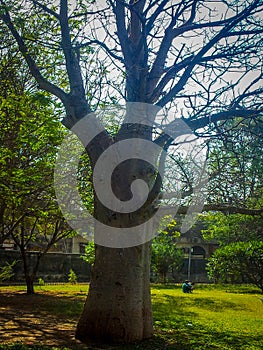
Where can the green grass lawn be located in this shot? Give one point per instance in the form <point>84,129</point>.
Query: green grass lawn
<point>213,317</point>
<point>210,318</point>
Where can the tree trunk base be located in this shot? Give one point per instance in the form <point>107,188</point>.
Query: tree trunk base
<point>118,307</point>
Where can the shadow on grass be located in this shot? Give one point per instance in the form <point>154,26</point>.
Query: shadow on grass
<point>200,339</point>
<point>216,305</point>
<point>231,288</point>
<point>50,319</point>
<point>206,303</point>
<point>39,319</point>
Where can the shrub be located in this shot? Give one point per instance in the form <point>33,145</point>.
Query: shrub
<point>72,277</point>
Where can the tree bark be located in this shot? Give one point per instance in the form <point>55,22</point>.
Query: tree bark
<point>29,277</point>
<point>29,284</point>
<point>118,306</point>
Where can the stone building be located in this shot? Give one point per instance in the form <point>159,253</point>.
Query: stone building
<point>74,245</point>
<point>196,252</point>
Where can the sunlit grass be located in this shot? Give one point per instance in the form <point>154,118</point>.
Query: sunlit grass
<point>213,317</point>
<point>66,288</point>
<point>209,318</point>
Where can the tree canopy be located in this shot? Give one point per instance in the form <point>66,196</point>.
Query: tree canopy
<point>30,134</point>
<point>204,56</point>
<point>235,165</point>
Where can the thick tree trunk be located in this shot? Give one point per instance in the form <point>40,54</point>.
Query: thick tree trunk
<point>118,307</point>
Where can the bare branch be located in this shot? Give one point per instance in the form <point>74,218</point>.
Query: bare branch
<point>72,64</point>
<point>198,57</point>
<point>87,13</point>
<point>219,207</point>
<point>119,10</point>
<point>45,8</point>
<point>34,69</point>
<point>104,46</point>
<point>170,33</point>
<point>221,116</point>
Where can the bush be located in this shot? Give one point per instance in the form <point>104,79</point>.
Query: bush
<point>41,282</point>
<point>72,277</point>
<point>238,262</point>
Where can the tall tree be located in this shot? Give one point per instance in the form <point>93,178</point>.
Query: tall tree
<point>201,61</point>
<point>236,161</point>
<point>30,133</point>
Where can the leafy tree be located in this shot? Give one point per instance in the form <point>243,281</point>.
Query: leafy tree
<point>239,257</point>
<point>29,136</point>
<point>165,255</point>
<point>238,262</point>
<point>178,55</point>
<point>236,160</point>
<point>231,228</point>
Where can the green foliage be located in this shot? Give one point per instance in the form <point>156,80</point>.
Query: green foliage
<point>165,255</point>
<point>30,134</point>
<point>237,262</point>
<point>72,277</point>
<point>41,282</point>
<point>232,228</point>
<point>89,255</point>
<point>240,256</point>
<point>6,271</point>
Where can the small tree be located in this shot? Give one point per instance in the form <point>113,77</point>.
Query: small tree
<point>38,233</point>
<point>41,282</point>
<point>72,277</point>
<point>165,255</point>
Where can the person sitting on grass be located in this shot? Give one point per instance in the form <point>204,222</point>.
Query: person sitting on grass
<point>187,287</point>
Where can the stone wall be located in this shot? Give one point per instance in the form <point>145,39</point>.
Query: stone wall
<point>54,267</point>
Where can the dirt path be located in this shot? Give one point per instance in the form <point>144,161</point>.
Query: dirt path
<point>23,319</point>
